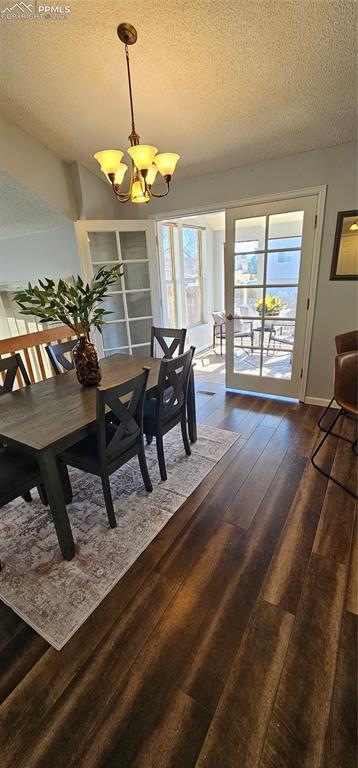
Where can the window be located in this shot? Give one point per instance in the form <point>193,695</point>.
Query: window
<point>247,246</point>
<point>192,248</point>
<point>169,273</point>
<point>283,258</point>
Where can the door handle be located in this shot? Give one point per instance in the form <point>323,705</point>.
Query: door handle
<point>230,317</point>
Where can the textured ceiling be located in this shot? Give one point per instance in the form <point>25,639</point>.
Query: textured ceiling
<point>21,211</point>
<point>222,82</point>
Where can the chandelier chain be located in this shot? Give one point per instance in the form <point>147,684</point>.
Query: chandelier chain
<point>130,89</point>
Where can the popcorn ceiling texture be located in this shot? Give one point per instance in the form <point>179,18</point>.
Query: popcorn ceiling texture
<point>224,83</point>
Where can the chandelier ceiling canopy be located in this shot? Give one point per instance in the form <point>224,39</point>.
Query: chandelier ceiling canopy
<point>145,160</point>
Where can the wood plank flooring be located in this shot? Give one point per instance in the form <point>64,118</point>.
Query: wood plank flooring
<point>230,643</point>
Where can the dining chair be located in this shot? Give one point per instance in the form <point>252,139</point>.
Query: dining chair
<point>57,355</point>
<point>169,406</point>
<point>159,338</point>
<point>20,471</point>
<point>9,368</point>
<point>346,397</point>
<point>114,443</point>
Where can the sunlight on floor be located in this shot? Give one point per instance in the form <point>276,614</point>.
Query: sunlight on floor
<point>210,365</point>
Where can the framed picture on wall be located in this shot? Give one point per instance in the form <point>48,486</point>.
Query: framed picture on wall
<point>345,251</point>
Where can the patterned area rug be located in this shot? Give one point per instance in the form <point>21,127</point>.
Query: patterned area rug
<point>55,597</point>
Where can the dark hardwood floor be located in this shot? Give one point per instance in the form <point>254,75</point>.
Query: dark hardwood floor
<point>230,643</point>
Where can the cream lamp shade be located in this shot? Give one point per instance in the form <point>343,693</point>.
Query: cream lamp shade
<point>166,163</point>
<point>142,155</point>
<point>109,160</point>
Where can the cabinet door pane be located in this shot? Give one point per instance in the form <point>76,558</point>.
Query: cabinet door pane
<point>136,275</point>
<point>139,304</point>
<point>133,245</point>
<point>142,351</point>
<point>117,285</point>
<point>103,246</point>
<point>140,331</point>
<point>114,303</point>
<point>114,335</point>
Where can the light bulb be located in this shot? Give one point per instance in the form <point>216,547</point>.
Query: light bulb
<point>137,194</point>
<point>119,174</point>
<point>152,172</point>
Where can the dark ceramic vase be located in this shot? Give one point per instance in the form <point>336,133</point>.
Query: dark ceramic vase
<point>86,362</point>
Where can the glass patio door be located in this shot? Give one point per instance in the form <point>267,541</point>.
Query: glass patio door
<point>134,300</point>
<point>268,259</point>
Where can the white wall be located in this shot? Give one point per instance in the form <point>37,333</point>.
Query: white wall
<point>37,168</point>
<point>52,253</point>
<point>68,187</point>
<point>97,198</point>
<point>336,167</point>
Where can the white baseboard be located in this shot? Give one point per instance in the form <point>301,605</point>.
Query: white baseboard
<point>320,401</point>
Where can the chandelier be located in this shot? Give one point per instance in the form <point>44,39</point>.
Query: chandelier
<point>145,162</point>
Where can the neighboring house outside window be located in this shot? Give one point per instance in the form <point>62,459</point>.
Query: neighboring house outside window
<point>192,257</point>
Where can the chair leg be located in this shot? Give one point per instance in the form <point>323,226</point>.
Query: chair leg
<point>334,434</point>
<point>42,494</point>
<point>185,437</point>
<point>319,422</point>
<point>144,469</point>
<point>149,439</point>
<point>320,445</point>
<point>27,496</point>
<point>161,459</point>
<point>108,501</point>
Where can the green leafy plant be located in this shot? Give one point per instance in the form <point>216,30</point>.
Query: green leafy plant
<point>77,305</point>
<point>273,305</point>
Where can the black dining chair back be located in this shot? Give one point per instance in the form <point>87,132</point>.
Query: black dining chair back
<point>127,427</point>
<point>173,385</point>
<point>168,407</point>
<point>57,355</point>
<point>160,337</point>
<point>114,443</point>
<point>10,366</point>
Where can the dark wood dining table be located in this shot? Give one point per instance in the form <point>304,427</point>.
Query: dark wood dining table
<point>48,417</point>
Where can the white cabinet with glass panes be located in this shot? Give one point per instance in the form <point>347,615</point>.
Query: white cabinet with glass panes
<point>134,299</point>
